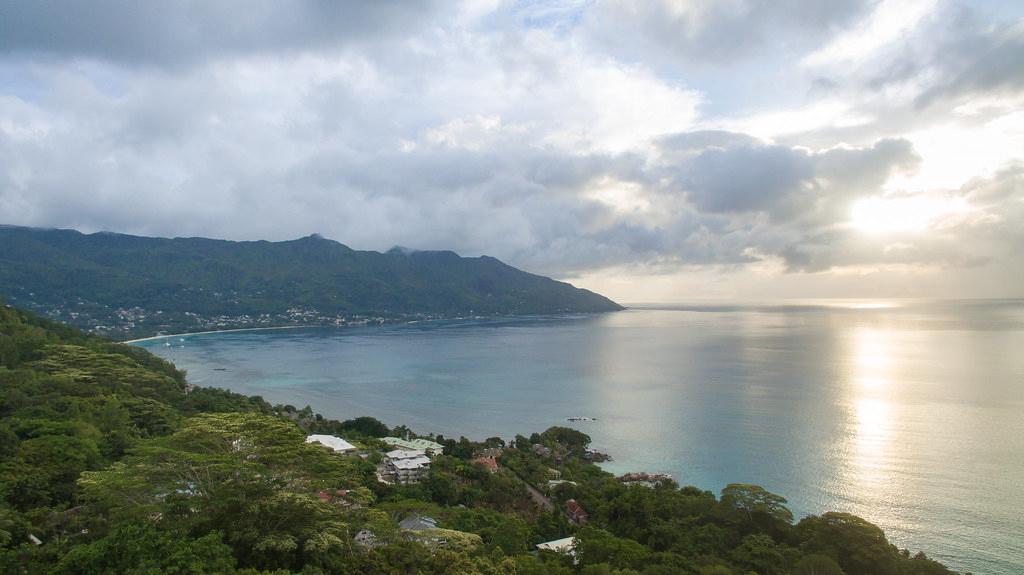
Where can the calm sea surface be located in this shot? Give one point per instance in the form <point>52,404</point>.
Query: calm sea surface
<point>908,414</point>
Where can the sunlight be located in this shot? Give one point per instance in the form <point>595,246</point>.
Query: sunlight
<point>871,358</point>
<point>902,215</point>
<point>870,417</point>
<point>872,425</point>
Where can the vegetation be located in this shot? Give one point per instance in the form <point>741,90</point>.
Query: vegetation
<point>111,463</point>
<point>137,286</point>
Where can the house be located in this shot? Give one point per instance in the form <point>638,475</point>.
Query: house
<point>423,445</point>
<point>438,538</point>
<point>488,463</point>
<point>558,545</point>
<point>553,483</point>
<point>338,444</point>
<point>575,512</point>
<point>541,450</point>
<point>406,466</point>
<point>566,546</point>
<point>649,480</point>
<point>339,497</point>
<point>366,539</point>
<point>418,523</point>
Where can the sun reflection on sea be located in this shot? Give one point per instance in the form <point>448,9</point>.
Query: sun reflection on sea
<point>871,439</point>
<point>869,442</point>
<point>872,360</point>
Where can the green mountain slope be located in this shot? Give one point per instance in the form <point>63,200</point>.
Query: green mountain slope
<point>84,279</point>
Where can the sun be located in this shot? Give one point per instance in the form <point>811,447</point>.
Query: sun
<point>902,215</point>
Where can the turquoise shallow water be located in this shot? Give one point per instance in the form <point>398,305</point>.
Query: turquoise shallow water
<point>908,414</point>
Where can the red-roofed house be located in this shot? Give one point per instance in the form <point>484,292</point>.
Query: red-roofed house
<point>488,463</point>
<point>575,512</point>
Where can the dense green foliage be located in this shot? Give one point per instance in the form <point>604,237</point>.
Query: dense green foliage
<point>85,279</point>
<point>110,463</point>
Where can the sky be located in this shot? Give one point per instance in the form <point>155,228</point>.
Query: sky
<point>652,151</point>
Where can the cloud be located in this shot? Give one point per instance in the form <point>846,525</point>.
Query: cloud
<point>887,22</point>
<point>973,57</point>
<point>710,32</point>
<point>984,229</point>
<point>180,32</point>
<point>723,172</point>
<point>567,138</point>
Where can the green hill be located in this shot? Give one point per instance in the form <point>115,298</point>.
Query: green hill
<point>122,281</point>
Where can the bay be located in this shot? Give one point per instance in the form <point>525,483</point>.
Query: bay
<point>907,413</point>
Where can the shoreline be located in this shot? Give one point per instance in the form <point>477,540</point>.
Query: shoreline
<point>208,332</point>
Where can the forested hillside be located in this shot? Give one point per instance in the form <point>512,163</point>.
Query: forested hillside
<point>111,463</point>
<point>137,285</point>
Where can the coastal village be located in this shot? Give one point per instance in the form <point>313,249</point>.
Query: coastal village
<point>126,323</point>
<point>407,462</point>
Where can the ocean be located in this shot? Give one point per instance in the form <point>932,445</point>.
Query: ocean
<point>907,413</point>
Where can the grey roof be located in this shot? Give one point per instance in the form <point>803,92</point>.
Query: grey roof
<point>418,523</point>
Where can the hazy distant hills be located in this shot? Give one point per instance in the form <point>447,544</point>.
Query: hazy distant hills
<point>90,279</point>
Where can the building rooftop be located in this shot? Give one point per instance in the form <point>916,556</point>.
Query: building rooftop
<point>418,523</point>
<point>488,463</point>
<point>414,463</point>
<point>576,511</point>
<point>421,444</point>
<point>405,454</point>
<point>566,545</point>
<point>336,443</point>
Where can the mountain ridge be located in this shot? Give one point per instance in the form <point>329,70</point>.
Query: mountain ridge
<point>111,282</point>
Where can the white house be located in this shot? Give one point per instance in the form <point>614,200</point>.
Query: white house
<point>566,546</point>
<point>418,444</point>
<point>336,443</point>
<point>407,466</point>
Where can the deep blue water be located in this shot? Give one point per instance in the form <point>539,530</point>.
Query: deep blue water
<point>908,414</point>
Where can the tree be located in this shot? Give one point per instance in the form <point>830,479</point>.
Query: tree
<point>251,477</point>
<point>494,442</point>
<point>753,500</point>
<point>859,547</point>
<point>595,546</point>
<point>368,426</point>
<point>817,564</point>
<point>573,439</point>
<point>760,554</point>
<point>142,549</point>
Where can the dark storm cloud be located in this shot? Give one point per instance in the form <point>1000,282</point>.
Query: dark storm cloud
<point>174,32</point>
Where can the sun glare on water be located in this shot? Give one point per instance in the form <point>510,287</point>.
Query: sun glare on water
<point>902,215</point>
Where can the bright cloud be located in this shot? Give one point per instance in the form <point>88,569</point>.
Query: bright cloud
<point>659,150</point>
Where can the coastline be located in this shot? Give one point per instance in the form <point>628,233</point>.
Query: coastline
<point>458,318</point>
<point>156,337</point>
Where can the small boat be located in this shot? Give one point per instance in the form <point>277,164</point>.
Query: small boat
<point>582,418</point>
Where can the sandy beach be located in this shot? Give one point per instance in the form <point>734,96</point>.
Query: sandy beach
<point>155,337</point>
